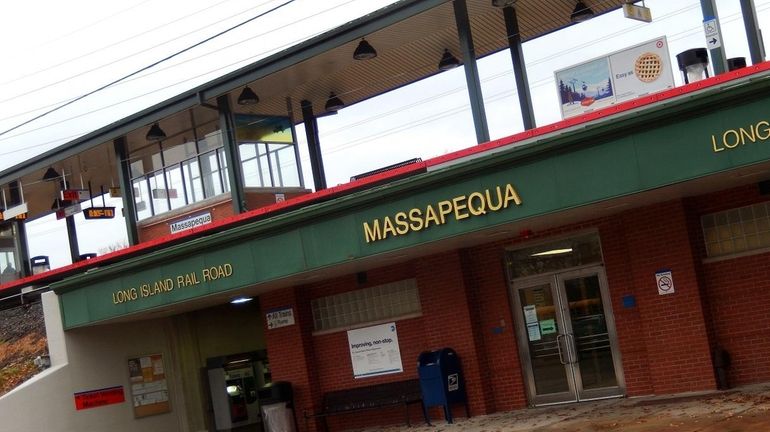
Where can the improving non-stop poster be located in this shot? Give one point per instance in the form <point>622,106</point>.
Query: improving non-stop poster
<point>374,350</point>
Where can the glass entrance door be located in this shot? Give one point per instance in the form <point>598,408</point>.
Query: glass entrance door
<point>566,337</point>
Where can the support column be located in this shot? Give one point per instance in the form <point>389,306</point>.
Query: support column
<point>290,113</point>
<point>234,168</point>
<point>471,71</point>
<point>126,189</point>
<point>753,33</point>
<point>313,145</point>
<point>291,353</point>
<point>72,236</point>
<point>718,59</point>
<point>22,248</point>
<point>519,70</point>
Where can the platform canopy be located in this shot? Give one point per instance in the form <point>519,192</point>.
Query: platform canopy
<point>409,36</point>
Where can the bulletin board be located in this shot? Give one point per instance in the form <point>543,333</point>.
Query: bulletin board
<point>149,389</point>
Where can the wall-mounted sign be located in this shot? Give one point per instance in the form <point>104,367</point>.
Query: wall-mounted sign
<point>374,351</point>
<point>97,398</point>
<point>665,281</point>
<point>68,211</point>
<point>99,213</point>
<point>279,197</point>
<point>189,223</point>
<point>149,391</point>
<point>75,195</point>
<point>115,192</point>
<point>711,31</point>
<point>279,317</point>
<point>615,78</point>
<point>12,212</point>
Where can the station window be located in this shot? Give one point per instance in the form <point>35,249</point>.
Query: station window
<point>268,151</point>
<point>366,306</point>
<point>737,230</point>
<point>9,264</point>
<point>179,171</point>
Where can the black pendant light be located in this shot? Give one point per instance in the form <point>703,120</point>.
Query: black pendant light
<point>155,133</point>
<point>503,3</point>
<point>448,61</point>
<point>248,97</point>
<point>50,175</point>
<point>334,103</point>
<point>581,13</point>
<point>364,51</point>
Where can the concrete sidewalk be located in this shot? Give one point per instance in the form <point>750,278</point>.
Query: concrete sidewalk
<point>742,409</point>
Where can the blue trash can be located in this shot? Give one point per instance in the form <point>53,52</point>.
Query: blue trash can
<point>441,381</point>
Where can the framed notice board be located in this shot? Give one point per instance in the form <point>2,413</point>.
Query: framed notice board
<point>149,389</point>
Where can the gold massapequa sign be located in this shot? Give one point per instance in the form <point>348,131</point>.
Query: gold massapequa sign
<point>458,208</point>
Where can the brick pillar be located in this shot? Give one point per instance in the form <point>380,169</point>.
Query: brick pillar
<point>290,351</point>
<point>674,325</point>
<point>448,319</point>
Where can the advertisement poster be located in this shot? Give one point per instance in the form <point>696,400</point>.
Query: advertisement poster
<point>374,350</point>
<point>149,391</point>
<point>618,77</point>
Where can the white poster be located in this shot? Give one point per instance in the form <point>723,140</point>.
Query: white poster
<point>624,75</point>
<point>665,282</point>
<point>374,350</point>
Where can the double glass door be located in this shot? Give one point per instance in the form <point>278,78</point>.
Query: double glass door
<point>566,337</point>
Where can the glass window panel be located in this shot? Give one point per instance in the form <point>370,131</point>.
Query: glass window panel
<point>724,232</point>
<point>763,224</point>
<point>554,256</point>
<point>258,128</point>
<point>727,246</point>
<point>176,192</point>
<point>142,199</point>
<point>192,179</point>
<point>734,216</point>
<point>178,153</point>
<point>223,169</point>
<point>158,192</point>
<point>711,235</point>
<point>740,245</point>
<point>749,227</point>
<point>211,141</point>
<point>210,172</point>
<point>747,214</point>
<point>736,230</point>
<point>752,242</point>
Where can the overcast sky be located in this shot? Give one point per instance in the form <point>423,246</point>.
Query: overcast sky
<point>56,51</point>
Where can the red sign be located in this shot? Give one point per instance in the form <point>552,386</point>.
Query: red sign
<point>74,194</point>
<point>97,398</point>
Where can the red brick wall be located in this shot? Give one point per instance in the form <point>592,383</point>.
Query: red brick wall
<point>674,326</point>
<point>465,305</point>
<point>738,292</point>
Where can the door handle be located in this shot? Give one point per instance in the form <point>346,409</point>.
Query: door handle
<point>572,349</point>
<point>558,348</point>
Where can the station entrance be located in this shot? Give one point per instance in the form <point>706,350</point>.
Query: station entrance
<point>564,325</point>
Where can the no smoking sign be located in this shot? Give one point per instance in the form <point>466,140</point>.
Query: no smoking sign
<point>665,282</point>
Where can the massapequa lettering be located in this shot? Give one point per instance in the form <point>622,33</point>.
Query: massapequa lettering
<point>460,207</point>
<point>732,138</point>
<point>163,286</point>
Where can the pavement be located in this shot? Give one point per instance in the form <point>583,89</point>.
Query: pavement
<point>737,410</point>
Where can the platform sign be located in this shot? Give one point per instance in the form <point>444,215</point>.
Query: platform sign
<point>279,317</point>
<point>374,351</point>
<point>665,281</point>
<point>68,211</point>
<point>711,31</point>
<point>12,212</point>
<point>75,195</point>
<point>99,213</point>
<point>97,398</point>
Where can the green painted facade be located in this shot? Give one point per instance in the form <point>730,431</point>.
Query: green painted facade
<point>636,152</point>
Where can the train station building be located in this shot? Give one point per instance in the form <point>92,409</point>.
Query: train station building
<point>620,252</point>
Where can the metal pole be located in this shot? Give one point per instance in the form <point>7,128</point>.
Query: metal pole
<point>290,112</point>
<point>471,71</point>
<point>313,145</point>
<point>519,70</point>
<point>72,236</point>
<point>753,33</point>
<point>718,59</point>
<point>127,189</point>
<point>234,169</point>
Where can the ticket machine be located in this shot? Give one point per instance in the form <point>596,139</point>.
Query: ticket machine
<point>234,383</point>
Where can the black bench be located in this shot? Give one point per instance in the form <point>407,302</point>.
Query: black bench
<point>369,397</point>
